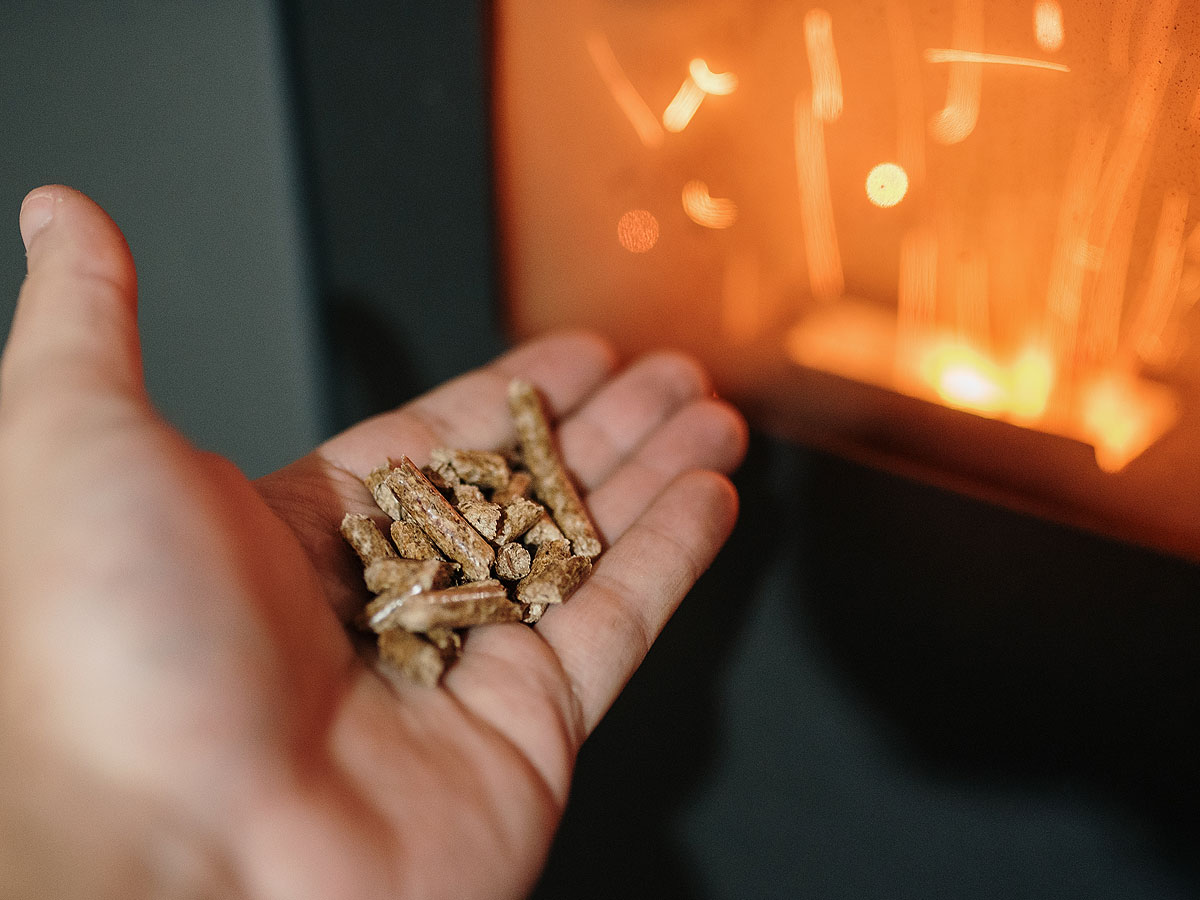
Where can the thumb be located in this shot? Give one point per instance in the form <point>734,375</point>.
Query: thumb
<point>74,335</point>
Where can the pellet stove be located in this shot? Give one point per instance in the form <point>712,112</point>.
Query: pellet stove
<point>957,237</point>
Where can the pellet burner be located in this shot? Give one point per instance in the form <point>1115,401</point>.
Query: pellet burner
<point>957,237</point>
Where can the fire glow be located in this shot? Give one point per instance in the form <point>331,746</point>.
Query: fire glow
<point>1076,342</point>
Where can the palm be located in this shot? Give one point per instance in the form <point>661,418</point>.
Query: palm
<point>224,685</point>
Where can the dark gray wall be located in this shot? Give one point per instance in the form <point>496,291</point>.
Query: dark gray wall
<point>173,115</point>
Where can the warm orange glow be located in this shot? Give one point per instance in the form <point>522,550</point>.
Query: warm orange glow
<point>700,82</point>
<point>910,95</point>
<point>1191,246</point>
<point>965,379</point>
<point>626,96</point>
<point>991,59</point>
<point>1123,416</point>
<point>683,106</point>
<point>1072,257</point>
<point>823,66</point>
<point>1031,382</point>
<point>715,83</point>
<point>887,185</point>
<point>1156,27</point>
<point>916,293</point>
<point>743,307</point>
<point>702,209</point>
<point>1120,37</point>
<point>1160,290</point>
<point>1048,28</point>
<point>1194,116</point>
<point>637,231</point>
<point>825,274</point>
<point>1119,196</point>
<point>957,119</point>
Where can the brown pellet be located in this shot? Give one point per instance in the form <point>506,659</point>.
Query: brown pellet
<point>462,606</point>
<point>364,536</point>
<point>441,522</point>
<point>551,482</point>
<point>413,656</point>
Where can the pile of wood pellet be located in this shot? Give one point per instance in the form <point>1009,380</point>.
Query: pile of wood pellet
<point>477,536</point>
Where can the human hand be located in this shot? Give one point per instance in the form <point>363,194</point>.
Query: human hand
<point>182,709</point>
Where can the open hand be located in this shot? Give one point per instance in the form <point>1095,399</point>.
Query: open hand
<point>183,711</point>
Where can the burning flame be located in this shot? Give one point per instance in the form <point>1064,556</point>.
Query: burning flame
<point>1047,337</point>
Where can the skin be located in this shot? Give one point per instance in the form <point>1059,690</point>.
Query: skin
<point>184,712</point>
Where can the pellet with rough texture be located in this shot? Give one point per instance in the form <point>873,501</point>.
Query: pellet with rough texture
<point>466,493</point>
<point>376,482</point>
<point>414,657</point>
<point>480,467</point>
<point>555,582</point>
<point>441,522</point>
<point>462,606</point>
<point>550,551</point>
<point>518,488</point>
<point>519,516</point>
<point>543,531</point>
<point>512,562</point>
<point>396,574</point>
<point>551,482</point>
<point>364,536</point>
<point>484,517</point>
<point>412,542</point>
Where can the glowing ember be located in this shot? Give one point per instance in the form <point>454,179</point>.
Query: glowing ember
<point>716,83</point>
<point>1123,417</point>
<point>823,65</point>
<point>637,231</point>
<point>705,210</point>
<point>993,59</point>
<point>825,274</point>
<point>957,119</point>
<point>678,114</point>
<point>1048,28</point>
<point>887,185</point>
<point>1013,284</point>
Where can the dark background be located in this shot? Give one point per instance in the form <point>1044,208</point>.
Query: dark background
<point>879,691</point>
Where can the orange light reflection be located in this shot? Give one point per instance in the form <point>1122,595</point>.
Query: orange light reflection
<point>716,83</point>
<point>993,59</point>
<point>683,106</point>
<point>1122,417</point>
<point>628,100</point>
<point>957,119</point>
<point>825,274</point>
<point>1048,27</point>
<point>711,212</point>
<point>823,66</point>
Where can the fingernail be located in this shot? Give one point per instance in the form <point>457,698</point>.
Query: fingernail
<point>36,213</point>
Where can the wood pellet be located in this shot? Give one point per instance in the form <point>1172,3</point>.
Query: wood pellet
<point>477,537</point>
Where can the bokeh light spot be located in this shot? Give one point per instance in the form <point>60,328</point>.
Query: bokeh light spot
<point>887,185</point>
<point>637,231</point>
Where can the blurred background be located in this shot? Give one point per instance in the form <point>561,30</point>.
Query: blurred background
<point>880,690</point>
